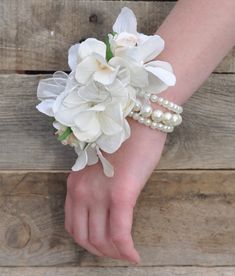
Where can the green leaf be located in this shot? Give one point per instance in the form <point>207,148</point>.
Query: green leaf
<point>65,134</point>
<point>109,53</point>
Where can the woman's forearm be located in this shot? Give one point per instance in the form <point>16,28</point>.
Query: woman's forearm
<point>197,34</point>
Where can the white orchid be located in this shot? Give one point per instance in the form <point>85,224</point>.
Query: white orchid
<point>136,52</point>
<point>90,105</point>
<point>88,59</point>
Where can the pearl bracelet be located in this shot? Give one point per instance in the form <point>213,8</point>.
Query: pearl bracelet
<point>157,119</point>
<point>161,101</point>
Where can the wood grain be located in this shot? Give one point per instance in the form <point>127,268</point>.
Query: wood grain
<point>205,139</point>
<point>35,35</point>
<point>118,271</point>
<point>181,218</point>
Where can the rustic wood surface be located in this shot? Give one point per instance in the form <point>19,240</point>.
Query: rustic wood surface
<point>184,219</point>
<point>204,140</point>
<point>118,271</point>
<point>35,35</point>
<point>181,218</point>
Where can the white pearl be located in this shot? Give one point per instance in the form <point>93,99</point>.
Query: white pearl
<point>180,109</point>
<point>147,122</point>
<point>135,116</point>
<point>154,98</point>
<point>160,100</point>
<point>146,110</point>
<point>176,119</point>
<point>166,117</point>
<point>171,105</point>
<point>165,102</point>
<point>171,128</point>
<point>141,119</point>
<point>157,115</point>
<point>131,113</point>
<point>165,128</point>
<point>153,125</point>
<point>160,126</point>
<point>137,106</point>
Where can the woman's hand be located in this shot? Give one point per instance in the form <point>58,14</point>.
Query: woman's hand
<point>99,209</point>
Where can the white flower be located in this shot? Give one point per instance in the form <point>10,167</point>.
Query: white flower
<point>90,105</point>
<point>136,51</point>
<point>88,59</point>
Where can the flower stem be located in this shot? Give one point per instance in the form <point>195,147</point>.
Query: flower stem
<point>65,134</point>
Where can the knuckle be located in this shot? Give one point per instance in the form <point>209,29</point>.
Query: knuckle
<point>80,191</point>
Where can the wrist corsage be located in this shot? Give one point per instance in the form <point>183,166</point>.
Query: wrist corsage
<point>109,81</point>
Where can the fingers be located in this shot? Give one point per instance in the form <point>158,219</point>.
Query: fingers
<point>121,216</point>
<point>98,231</point>
<point>80,228</point>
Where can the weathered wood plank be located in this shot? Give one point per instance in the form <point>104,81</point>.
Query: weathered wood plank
<point>35,35</point>
<point>204,140</point>
<point>181,218</point>
<point>118,271</point>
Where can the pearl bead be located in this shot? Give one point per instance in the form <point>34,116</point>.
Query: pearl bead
<point>157,115</point>
<point>160,126</point>
<point>160,100</point>
<point>176,119</point>
<point>135,116</point>
<point>166,117</point>
<point>153,124</point>
<point>165,102</point>
<point>137,106</point>
<point>170,128</point>
<point>141,119</point>
<point>165,128</point>
<point>171,105</point>
<point>146,110</point>
<point>131,113</point>
<point>147,122</point>
<point>154,98</point>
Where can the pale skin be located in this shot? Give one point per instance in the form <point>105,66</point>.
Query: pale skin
<point>98,209</point>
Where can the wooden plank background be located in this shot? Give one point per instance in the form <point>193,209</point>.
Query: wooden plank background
<point>35,35</point>
<point>187,207</point>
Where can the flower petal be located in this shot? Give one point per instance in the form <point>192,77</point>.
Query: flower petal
<point>106,76</point>
<point>86,120</point>
<point>73,56</point>
<point>68,108</point>
<point>81,160</point>
<point>92,156</point>
<point>91,92</point>
<point>110,143</point>
<point>107,167</point>
<point>90,46</point>
<point>155,85</point>
<point>85,69</point>
<point>46,107</point>
<point>150,48</point>
<point>89,135</point>
<point>108,125</point>
<point>164,75</point>
<point>125,22</point>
